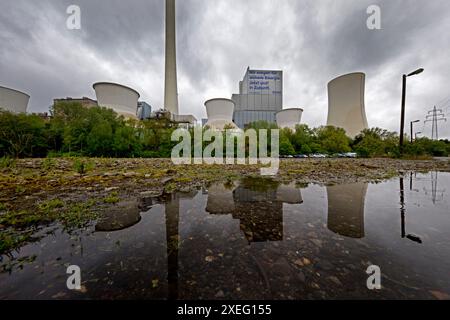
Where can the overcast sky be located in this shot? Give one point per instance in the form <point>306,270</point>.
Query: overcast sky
<point>311,41</point>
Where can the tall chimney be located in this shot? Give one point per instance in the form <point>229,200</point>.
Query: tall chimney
<point>170,86</point>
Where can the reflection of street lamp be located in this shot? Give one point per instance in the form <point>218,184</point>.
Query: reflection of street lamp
<point>402,121</point>
<point>402,215</point>
<point>412,123</point>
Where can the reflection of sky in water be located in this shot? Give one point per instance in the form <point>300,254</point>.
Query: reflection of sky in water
<point>257,239</point>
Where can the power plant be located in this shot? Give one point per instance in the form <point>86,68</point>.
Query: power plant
<point>346,103</point>
<point>13,100</point>
<point>260,97</point>
<point>289,118</point>
<point>220,113</point>
<point>170,86</point>
<point>121,99</point>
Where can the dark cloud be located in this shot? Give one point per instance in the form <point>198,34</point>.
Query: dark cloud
<point>312,41</point>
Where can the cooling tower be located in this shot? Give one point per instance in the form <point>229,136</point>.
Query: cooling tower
<point>289,118</point>
<point>346,103</point>
<point>121,99</point>
<point>346,209</point>
<point>220,113</point>
<point>13,100</point>
<point>170,86</point>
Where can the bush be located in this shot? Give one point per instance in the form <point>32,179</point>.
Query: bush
<point>82,166</point>
<point>7,162</point>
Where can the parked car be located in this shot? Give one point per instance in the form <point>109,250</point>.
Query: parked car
<point>350,155</point>
<point>318,155</point>
<point>301,156</point>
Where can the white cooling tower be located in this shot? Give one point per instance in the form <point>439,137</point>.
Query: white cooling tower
<point>220,113</point>
<point>289,118</point>
<point>346,103</point>
<point>13,100</point>
<point>121,99</point>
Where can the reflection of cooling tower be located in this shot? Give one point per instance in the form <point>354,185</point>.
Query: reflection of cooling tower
<point>346,103</point>
<point>288,193</point>
<point>346,209</point>
<point>220,113</point>
<point>13,100</point>
<point>121,99</point>
<point>289,118</point>
<point>220,199</point>
<point>170,87</point>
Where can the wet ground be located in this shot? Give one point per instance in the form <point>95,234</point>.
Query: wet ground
<point>253,238</point>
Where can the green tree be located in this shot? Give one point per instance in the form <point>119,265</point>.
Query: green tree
<point>332,139</point>
<point>22,135</point>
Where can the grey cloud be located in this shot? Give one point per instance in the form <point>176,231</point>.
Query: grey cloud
<point>312,41</point>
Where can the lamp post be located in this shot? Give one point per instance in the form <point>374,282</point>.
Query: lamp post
<point>417,133</point>
<point>412,123</point>
<point>402,121</point>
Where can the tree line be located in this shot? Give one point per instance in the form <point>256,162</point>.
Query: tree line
<point>74,130</point>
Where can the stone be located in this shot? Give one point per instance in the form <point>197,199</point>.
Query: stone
<point>220,294</point>
<point>440,295</point>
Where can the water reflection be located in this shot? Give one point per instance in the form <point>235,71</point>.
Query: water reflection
<point>251,239</point>
<point>257,203</point>
<point>121,216</point>
<point>172,214</point>
<point>411,237</point>
<point>346,209</point>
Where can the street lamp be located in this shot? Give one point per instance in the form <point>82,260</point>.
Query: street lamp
<point>412,122</point>
<point>416,134</point>
<point>402,121</point>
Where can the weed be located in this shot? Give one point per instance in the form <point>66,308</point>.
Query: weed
<point>112,198</point>
<point>7,163</point>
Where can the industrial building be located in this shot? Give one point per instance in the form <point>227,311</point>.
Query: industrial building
<point>121,99</point>
<point>289,118</point>
<point>346,103</point>
<point>85,101</point>
<point>220,113</point>
<point>13,100</point>
<point>144,110</point>
<point>260,97</point>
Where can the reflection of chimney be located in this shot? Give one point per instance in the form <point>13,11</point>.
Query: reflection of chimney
<point>346,209</point>
<point>172,238</point>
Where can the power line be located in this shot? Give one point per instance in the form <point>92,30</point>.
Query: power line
<point>434,116</point>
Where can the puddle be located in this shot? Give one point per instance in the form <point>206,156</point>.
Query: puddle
<point>252,239</point>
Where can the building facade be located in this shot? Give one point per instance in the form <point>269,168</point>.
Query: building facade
<point>144,110</point>
<point>260,97</point>
<point>85,101</point>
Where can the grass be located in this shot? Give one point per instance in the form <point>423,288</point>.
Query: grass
<point>18,226</point>
<point>112,198</point>
<point>82,166</point>
<point>7,163</point>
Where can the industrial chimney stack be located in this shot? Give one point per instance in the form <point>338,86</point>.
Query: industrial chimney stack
<point>170,87</point>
